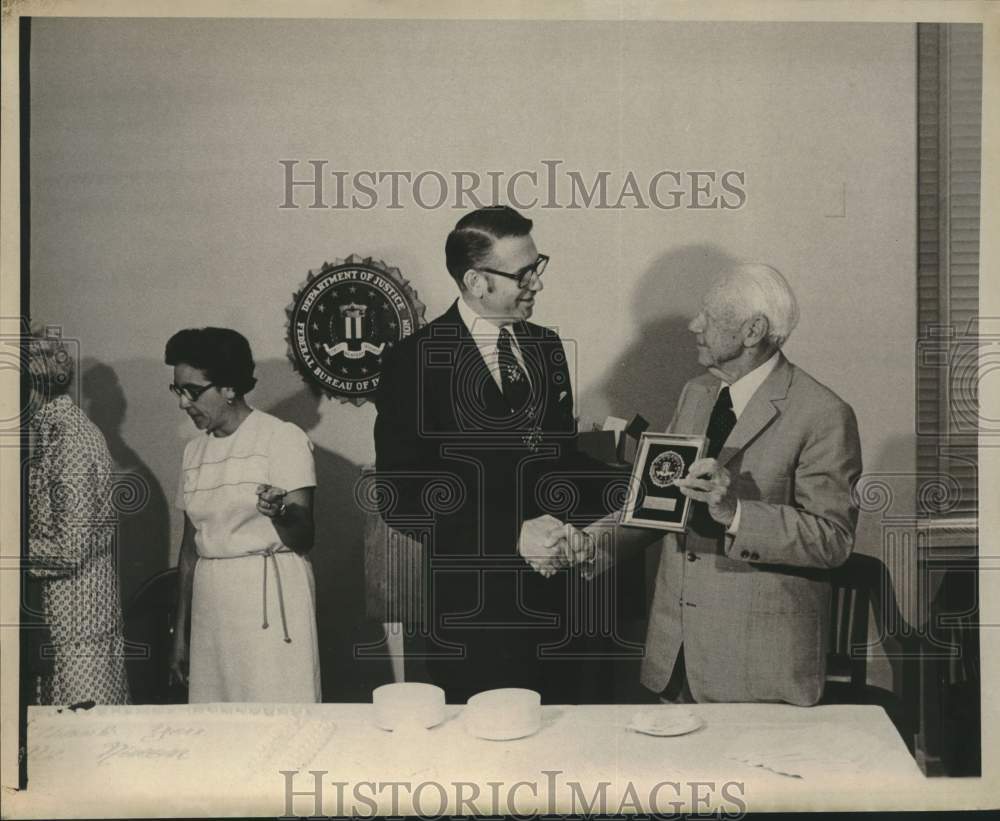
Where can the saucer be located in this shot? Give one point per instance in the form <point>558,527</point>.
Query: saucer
<point>665,721</point>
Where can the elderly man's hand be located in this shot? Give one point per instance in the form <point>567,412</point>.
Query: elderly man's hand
<point>540,544</point>
<point>707,481</point>
<point>578,546</point>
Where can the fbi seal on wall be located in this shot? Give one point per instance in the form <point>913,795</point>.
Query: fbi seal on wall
<point>343,319</point>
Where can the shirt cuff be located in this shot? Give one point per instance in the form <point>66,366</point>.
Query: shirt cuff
<point>734,525</point>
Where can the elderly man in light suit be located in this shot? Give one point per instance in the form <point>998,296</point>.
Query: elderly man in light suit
<point>742,600</point>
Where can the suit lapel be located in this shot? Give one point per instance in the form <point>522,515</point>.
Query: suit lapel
<point>534,362</point>
<point>471,369</point>
<point>763,406</point>
<point>693,417</point>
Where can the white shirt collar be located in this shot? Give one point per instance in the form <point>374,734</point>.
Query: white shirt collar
<point>486,334</point>
<point>486,331</point>
<point>478,326</point>
<point>743,389</point>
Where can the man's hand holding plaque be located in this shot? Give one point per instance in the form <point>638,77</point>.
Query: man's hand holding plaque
<point>707,481</point>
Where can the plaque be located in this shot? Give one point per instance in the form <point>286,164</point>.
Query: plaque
<point>654,500</point>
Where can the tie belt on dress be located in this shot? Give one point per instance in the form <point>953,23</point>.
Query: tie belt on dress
<point>265,554</point>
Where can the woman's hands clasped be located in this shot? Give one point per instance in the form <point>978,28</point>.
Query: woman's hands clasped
<point>271,501</point>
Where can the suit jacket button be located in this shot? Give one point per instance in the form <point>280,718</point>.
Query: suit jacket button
<point>691,556</point>
<point>744,554</point>
<point>755,555</point>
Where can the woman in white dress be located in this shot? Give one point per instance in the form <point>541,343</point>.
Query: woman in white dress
<point>246,490</point>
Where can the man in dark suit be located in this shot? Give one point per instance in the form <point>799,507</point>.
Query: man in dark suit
<point>742,603</point>
<point>475,435</point>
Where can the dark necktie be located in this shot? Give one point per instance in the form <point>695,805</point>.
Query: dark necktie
<point>513,379</point>
<point>720,425</point>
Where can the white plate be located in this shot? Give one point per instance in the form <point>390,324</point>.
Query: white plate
<point>665,721</point>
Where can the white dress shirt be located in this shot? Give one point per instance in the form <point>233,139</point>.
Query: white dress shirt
<point>486,333</point>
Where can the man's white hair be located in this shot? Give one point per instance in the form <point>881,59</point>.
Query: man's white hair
<point>752,288</point>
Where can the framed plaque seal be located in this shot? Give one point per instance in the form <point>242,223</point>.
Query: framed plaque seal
<point>653,498</point>
<point>343,319</point>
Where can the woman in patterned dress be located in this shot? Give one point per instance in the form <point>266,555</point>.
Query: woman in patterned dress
<point>246,490</point>
<point>71,538</point>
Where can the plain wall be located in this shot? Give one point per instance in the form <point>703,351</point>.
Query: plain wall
<point>156,185</point>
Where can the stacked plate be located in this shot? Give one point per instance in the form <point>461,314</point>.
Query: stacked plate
<point>408,705</point>
<point>504,714</point>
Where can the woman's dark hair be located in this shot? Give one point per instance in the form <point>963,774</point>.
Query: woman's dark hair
<point>222,353</point>
<point>472,239</point>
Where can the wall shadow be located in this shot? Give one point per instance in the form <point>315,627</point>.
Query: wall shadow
<point>144,533</point>
<point>338,556</point>
<point>662,357</point>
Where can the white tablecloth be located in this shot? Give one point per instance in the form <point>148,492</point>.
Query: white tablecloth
<point>228,760</point>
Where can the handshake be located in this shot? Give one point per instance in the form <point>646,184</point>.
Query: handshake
<point>549,545</point>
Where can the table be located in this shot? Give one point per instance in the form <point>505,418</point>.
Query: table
<point>246,760</point>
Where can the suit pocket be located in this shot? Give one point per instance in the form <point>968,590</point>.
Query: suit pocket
<point>786,657</point>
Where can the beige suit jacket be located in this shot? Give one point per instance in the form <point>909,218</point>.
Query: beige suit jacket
<point>752,610</point>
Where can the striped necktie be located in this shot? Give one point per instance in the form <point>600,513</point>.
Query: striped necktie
<point>513,379</point>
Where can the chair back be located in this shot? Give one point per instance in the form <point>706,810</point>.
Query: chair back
<point>862,589</point>
<point>856,585</point>
<point>149,624</point>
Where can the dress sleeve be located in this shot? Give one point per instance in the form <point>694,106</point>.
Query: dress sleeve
<point>290,458</point>
<point>42,535</point>
<point>69,487</point>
